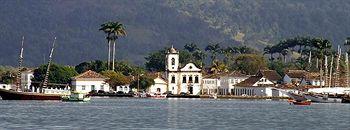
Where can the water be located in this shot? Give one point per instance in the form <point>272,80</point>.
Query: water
<point>131,113</point>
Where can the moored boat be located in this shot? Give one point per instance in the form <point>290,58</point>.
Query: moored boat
<point>15,95</point>
<point>321,98</point>
<point>76,97</point>
<point>158,95</point>
<point>302,102</point>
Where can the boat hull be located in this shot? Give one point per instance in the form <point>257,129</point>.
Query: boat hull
<point>319,99</point>
<point>13,95</point>
<point>302,103</point>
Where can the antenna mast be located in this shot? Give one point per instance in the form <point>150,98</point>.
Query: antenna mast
<point>48,66</point>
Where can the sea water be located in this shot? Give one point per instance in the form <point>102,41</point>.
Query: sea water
<point>137,113</point>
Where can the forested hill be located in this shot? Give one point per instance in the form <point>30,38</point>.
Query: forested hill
<point>152,25</point>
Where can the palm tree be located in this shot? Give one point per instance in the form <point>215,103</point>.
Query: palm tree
<point>347,43</point>
<point>118,30</point>
<point>214,49</point>
<point>191,47</point>
<point>284,52</point>
<point>107,29</point>
<point>269,50</point>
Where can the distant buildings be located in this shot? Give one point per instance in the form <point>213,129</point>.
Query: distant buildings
<point>261,84</point>
<point>89,81</point>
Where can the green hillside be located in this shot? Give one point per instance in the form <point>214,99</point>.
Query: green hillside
<point>153,25</point>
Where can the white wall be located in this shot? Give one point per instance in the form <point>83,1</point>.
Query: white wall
<point>80,85</point>
<point>123,88</point>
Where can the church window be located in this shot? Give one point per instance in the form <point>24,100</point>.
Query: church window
<point>173,79</point>
<point>190,79</point>
<point>184,79</point>
<point>172,61</point>
<point>196,79</point>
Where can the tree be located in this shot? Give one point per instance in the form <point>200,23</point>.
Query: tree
<point>115,78</point>
<point>96,66</point>
<point>213,49</point>
<point>58,73</point>
<point>144,83</point>
<point>155,61</point>
<point>107,29</point>
<point>347,43</point>
<point>218,67</point>
<point>249,63</point>
<point>114,30</point>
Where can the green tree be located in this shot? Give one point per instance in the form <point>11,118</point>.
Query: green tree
<point>144,83</point>
<point>96,66</point>
<point>249,63</point>
<point>115,78</point>
<point>213,49</point>
<point>114,30</point>
<point>155,61</point>
<point>57,73</point>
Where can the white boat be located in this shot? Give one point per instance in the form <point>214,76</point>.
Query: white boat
<point>214,96</point>
<point>77,97</point>
<point>321,98</point>
<point>158,95</point>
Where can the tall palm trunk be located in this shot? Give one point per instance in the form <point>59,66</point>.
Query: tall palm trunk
<point>113,54</point>
<point>109,55</point>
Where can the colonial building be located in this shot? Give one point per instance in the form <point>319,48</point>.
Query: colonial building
<point>160,86</point>
<point>181,79</point>
<point>229,80</point>
<point>211,84</point>
<point>294,77</point>
<point>262,84</point>
<point>89,81</point>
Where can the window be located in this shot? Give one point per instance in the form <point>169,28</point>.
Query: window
<point>172,61</point>
<point>190,79</point>
<point>183,79</point>
<point>101,87</point>
<point>92,87</point>
<point>83,87</point>
<point>173,79</point>
<point>173,88</point>
<point>196,79</point>
<point>3,86</point>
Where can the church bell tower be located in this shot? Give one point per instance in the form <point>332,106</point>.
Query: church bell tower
<point>172,60</point>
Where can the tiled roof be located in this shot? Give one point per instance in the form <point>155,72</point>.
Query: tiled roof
<point>90,75</point>
<point>271,75</point>
<point>296,73</point>
<point>229,74</point>
<point>249,82</point>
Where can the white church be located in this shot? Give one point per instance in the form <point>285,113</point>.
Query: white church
<point>182,79</point>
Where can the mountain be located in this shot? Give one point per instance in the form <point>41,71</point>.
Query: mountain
<point>152,25</point>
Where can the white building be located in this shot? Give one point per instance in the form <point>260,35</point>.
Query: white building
<point>89,81</point>
<point>160,86</point>
<point>262,84</point>
<point>185,79</point>
<point>26,79</point>
<point>229,80</point>
<point>312,79</point>
<point>294,76</point>
<point>123,88</point>
<point>211,84</point>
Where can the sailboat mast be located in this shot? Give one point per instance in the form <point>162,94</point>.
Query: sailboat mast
<point>330,73</point>
<point>337,68</point>
<point>48,66</point>
<point>20,61</point>
<point>347,68</point>
<point>325,70</point>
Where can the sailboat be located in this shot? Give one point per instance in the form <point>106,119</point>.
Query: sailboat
<point>18,94</point>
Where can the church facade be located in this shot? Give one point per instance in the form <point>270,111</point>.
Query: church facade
<point>182,79</point>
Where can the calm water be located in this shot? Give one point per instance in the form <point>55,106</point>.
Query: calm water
<point>130,113</point>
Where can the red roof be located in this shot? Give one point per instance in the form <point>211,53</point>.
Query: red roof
<point>90,75</point>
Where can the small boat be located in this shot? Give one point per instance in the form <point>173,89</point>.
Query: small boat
<point>307,102</point>
<point>158,96</point>
<point>321,98</point>
<point>76,97</point>
<point>296,97</point>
